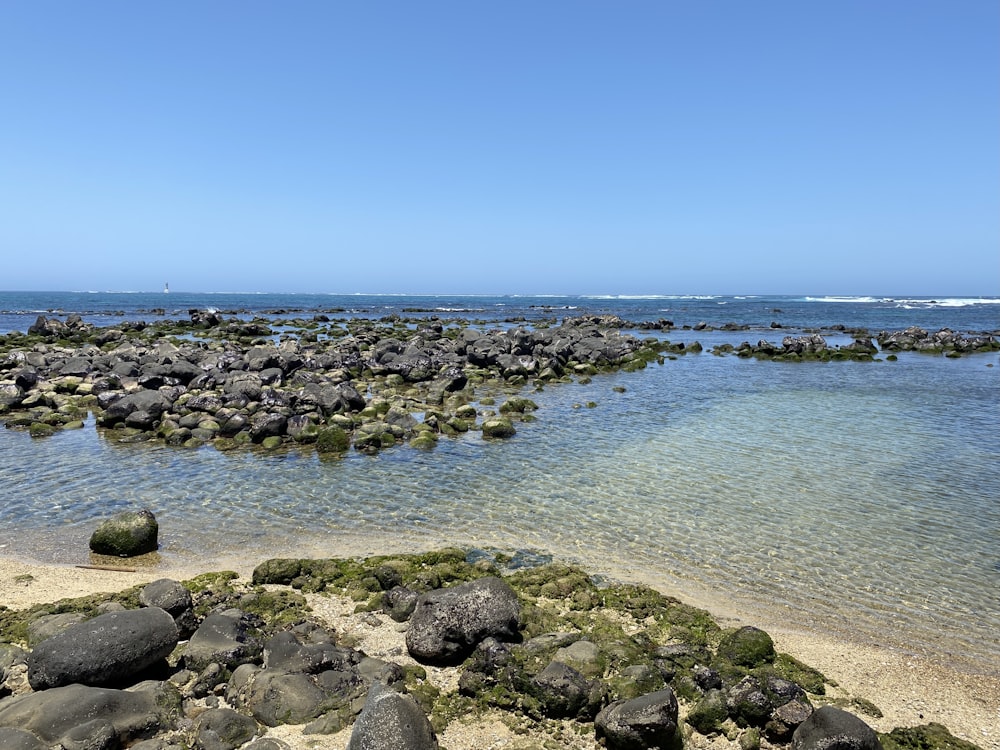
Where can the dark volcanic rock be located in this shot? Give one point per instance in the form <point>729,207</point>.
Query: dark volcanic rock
<point>224,638</point>
<point>224,729</point>
<point>19,739</point>
<point>831,728</point>
<point>647,721</point>
<point>152,404</point>
<point>448,623</point>
<point>175,599</point>
<point>78,716</point>
<point>563,692</point>
<point>105,650</point>
<point>747,702</point>
<point>127,534</point>
<point>391,721</point>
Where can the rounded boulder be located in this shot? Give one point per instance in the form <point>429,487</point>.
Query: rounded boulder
<point>105,650</point>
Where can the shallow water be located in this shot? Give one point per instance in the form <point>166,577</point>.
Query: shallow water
<point>854,497</point>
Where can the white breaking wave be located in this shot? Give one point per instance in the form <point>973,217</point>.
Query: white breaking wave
<point>848,299</point>
<point>915,302</point>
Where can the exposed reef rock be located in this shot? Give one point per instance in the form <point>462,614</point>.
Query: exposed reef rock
<point>631,667</point>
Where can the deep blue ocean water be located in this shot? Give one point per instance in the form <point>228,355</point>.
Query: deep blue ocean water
<point>854,498</point>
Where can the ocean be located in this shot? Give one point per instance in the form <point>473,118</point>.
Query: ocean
<point>860,499</point>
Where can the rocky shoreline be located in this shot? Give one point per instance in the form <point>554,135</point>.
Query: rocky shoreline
<point>553,656</point>
<point>333,384</point>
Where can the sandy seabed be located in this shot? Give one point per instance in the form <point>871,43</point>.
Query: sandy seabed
<point>909,690</point>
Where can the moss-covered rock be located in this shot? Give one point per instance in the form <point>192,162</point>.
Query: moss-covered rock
<point>332,439</point>
<point>498,428</point>
<point>747,647</point>
<point>517,405</point>
<point>931,736</point>
<point>708,714</point>
<point>127,534</point>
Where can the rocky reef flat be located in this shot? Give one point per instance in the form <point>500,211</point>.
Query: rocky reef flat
<point>449,648</point>
<point>333,384</point>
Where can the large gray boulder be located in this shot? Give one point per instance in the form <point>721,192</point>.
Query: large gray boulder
<point>646,721</point>
<point>82,716</point>
<point>446,624</point>
<point>391,721</point>
<point>127,534</point>
<point>105,650</point>
<point>832,728</point>
<point>19,739</point>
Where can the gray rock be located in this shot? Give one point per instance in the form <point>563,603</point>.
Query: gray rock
<point>11,394</point>
<point>267,743</point>
<point>46,626</point>
<point>127,534</point>
<point>107,649</point>
<point>647,721</point>
<point>748,704</point>
<point>391,721</point>
<point>294,698</point>
<point>831,728</point>
<point>246,385</point>
<point>78,716</point>
<point>308,650</point>
<point>565,693</point>
<point>152,403</point>
<point>223,729</point>
<point>166,594</point>
<point>448,623</point>
<point>19,739</point>
<point>786,719</point>
<point>265,425</point>
<point>175,599</point>
<point>223,638</point>
<point>399,603</point>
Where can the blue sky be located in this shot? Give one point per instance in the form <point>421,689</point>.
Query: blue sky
<point>838,147</point>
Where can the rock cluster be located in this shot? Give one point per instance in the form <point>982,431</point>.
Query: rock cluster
<point>815,347</point>
<point>370,384</point>
<point>943,341</point>
<point>633,667</point>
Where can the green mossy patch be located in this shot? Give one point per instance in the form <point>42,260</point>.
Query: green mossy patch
<point>810,679</point>
<point>931,736</point>
<point>14,623</point>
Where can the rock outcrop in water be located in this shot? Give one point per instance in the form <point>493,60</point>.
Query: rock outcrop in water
<point>378,383</point>
<point>370,384</point>
<point>629,667</point>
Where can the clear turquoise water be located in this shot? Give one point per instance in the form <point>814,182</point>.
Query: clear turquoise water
<point>857,498</point>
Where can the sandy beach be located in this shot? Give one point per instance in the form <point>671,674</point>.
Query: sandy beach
<point>908,690</point>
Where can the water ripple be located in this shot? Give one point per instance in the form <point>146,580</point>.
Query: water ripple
<point>858,496</point>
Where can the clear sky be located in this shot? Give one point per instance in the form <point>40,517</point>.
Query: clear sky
<point>528,146</point>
